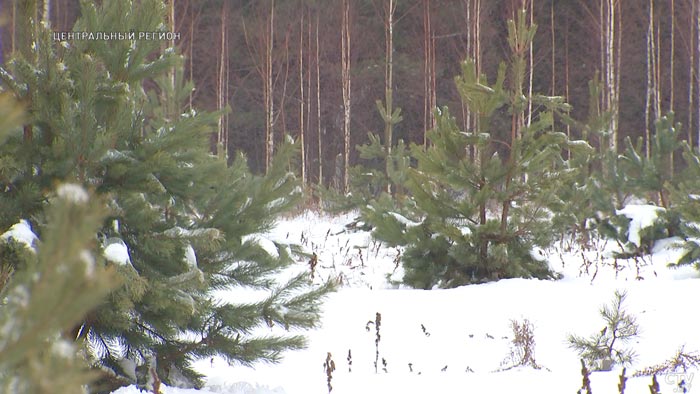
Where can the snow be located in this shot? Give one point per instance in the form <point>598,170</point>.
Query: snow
<point>73,192</point>
<point>457,340</point>
<point>89,260</point>
<point>403,220</point>
<point>190,257</point>
<point>265,243</point>
<point>641,217</point>
<point>117,252</point>
<point>21,232</point>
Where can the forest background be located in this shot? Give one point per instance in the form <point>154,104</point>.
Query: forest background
<point>319,70</point>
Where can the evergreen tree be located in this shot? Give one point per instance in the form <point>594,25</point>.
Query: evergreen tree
<point>181,222</point>
<point>474,219</point>
<point>60,279</point>
<point>686,194</point>
<point>653,175</point>
<point>46,297</point>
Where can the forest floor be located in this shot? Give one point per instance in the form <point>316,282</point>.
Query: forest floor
<point>460,340</point>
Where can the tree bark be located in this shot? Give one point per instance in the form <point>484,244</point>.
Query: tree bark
<point>531,66</point>
<point>221,129</point>
<point>301,97</point>
<point>318,105</point>
<point>650,80</point>
<point>270,103</point>
<point>389,85</point>
<point>697,69</point>
<point>673,56</point>
<point>429,100</point>
<point>691,71</point>
<point>346,88</point>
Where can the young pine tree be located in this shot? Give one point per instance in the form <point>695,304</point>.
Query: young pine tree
<point>480,204</point>
<point>181,222</point>
<point>61,278</point>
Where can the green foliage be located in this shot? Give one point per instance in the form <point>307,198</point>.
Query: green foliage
<point>46,298</point>
<point>653,174</point>
<point>112,115</point>
<point>478,205</point>
<point>686,195</point>
<point>605,348</point>
<point>372,180</point>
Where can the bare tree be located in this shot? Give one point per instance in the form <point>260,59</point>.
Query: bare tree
<point>472,16</point>
<point>301,97</point>
<point>390,117</point>
<point>650,78</point>
<point>221,140</point>
<point>429,98</point>
<point>346,85</point>
<point>269,99</point>
<point>531,65</point>
<point>610,61</point>
<point>46,14</point>
<point>673,55</point>
<point>691,71</point>
<point>262,53</point>
<point>553,82</point>
<point>697,70</point>
<point>318,104</point>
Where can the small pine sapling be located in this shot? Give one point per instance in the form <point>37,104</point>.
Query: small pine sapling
<point>603,349</point>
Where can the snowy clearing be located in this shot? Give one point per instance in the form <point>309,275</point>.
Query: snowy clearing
<point>456,341</point>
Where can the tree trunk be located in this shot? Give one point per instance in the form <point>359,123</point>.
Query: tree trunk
<point>301,97</point>
<point>566,77</point>
<point>673,55</point>
<point>318,105</point>
<point>46,14</point>
<point>611,63</point>
<point>221,129</point>
<point>697,70</point>
<point>308,75</point>
<point>429,100</point>
<point>649,82</point>
<point>389,86</point>
<point>269,104</point>
<point>691,71</point>
<point>346,85</point>
<point>531,66</point>
<point>190,53</point>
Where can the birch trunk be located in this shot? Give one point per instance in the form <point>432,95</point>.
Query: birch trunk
<point>691,72</point>
<point>389,90</point>
<point>301,98</point>
<point>697,69</point>
<point>220,148</point>
<point>318,106</point>
<point>346,87</point>
<point>270,104</point>
<point>649,82</point>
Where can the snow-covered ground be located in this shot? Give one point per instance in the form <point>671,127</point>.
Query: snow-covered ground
<point>456,341</point>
